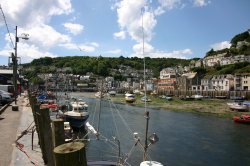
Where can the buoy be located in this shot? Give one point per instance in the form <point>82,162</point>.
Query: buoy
<point>150,163</point>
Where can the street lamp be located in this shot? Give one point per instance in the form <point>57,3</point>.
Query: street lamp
<point>14,60</point>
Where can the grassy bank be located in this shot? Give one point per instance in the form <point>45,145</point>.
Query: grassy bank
<point>215,107</point>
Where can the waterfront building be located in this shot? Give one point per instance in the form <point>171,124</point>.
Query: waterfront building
<point>242,81</point>
<point>223,82</point>
<point>189,81</point>
<point>167,79</point>
<point>206,83</point>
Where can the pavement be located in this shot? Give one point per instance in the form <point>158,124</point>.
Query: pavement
<point>12,124</point>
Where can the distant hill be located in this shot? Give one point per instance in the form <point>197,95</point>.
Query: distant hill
<point>240,45</point>
<point>102,65</point>
<point>105,66</point>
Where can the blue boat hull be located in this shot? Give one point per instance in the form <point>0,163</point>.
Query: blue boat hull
<point>76,122</point>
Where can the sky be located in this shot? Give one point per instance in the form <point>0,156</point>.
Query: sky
<point>113,28</point>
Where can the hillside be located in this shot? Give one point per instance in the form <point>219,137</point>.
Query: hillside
<point>101,65</point>
<point>108,66</point>
<point>240,45</point>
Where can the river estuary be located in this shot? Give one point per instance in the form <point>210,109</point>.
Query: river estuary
<point>185,139</point>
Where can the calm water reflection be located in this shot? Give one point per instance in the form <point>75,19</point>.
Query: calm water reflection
<point>185,138</point>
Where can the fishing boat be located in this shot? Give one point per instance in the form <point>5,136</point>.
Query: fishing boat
<point>244,118</point>
<point>81,103</point>
<point>78,116</point>
<point>130,98</point>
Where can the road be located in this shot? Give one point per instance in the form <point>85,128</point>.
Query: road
<point>12,123</point>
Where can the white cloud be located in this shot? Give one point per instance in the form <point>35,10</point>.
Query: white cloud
<point>75,29</point>
<point>168,5</point>
<point>129,19</point>
<point>221,45</point>
<point>45,36</point>
<point>32,17</point>
<point>120,35</point>
<point>182,54</point>
<point>27,52</point>
<point>138,48</point>
<point>116,51</point>
<point>94,44</point>
<point>200,3</point>
<point>89,47</point>
<point>27,13</point>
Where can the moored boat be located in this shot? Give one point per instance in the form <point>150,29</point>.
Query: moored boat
<point>244,118</point>
<point>78,116</point>
<point>238,106</point>
<point>51,106</point>
<point>197,97</point>
<point>130,98</point>
<point>112,93</point>
<point>99,95</point>
<point>144,98</point>
<point>81,103</point>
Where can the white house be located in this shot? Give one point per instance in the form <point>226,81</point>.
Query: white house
<point>223,82</point>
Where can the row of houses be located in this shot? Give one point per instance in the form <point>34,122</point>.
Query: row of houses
<point>220,59</point>
<point>193,81</point>
<point>169,79</point>
<point>225,58</point>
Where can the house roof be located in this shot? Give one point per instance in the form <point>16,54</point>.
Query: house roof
<point>226,76</point>
<point>189,75</point>
<point>208,77</point>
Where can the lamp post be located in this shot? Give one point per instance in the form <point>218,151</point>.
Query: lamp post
<point>14,60</point>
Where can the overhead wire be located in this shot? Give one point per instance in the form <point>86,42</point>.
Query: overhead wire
<point>7,26</point>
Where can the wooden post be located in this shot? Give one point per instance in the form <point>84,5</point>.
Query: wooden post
<point>40,132</point>
<point>69,154</point>
<point>33,102</point>
<point>47,135</point>
<point>58,132</point>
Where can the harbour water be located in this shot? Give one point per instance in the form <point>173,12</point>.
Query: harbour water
<point>184,138</point>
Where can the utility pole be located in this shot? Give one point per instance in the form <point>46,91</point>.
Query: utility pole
<point>14,59</point>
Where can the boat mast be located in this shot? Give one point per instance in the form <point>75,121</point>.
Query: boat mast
<point>100,103</point>
<point>145,94</point>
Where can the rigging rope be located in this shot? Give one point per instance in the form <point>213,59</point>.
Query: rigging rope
<point>21,148</point>
<point>116,129</point>
<point>123,120</point>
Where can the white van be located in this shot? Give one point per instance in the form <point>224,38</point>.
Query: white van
<point>8,88</point>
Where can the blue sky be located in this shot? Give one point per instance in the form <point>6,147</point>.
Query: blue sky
<point>111,28</point>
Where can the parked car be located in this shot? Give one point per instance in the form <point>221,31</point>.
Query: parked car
<point>5,97</point>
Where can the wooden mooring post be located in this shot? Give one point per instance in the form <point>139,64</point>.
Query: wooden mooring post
<point>47,135</point>
<point>41,133</point>
<point>69,154</point>
<point>58,132</point>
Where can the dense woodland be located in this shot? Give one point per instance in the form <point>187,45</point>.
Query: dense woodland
<point>102,65</point>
